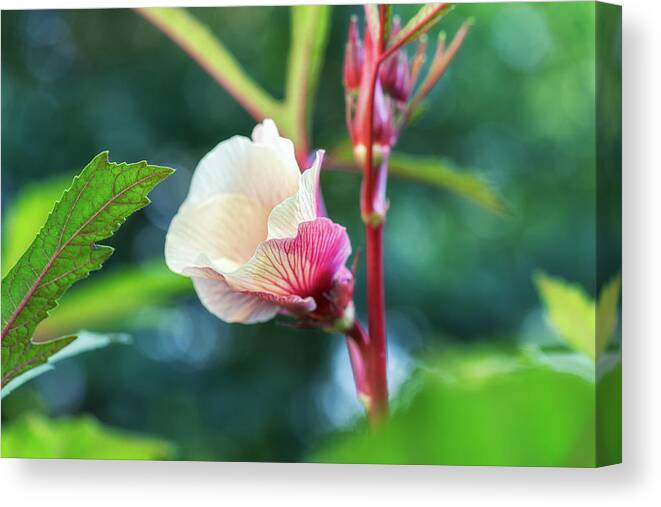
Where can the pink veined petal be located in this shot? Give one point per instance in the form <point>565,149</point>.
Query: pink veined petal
<point>303,266</point>
<point>240,166</point>
<point>226,303</point>
<point>225,229</point>
<point>285,218</point>
<point>293,304</point>
<point>266,133</point>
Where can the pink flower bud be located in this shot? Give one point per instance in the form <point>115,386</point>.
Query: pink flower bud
<point>396,76</point>
<point>384,128</point>
<point>394,29</point>
<point>353,57</point>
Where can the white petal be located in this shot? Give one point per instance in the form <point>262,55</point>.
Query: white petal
<point>226,229</point>
<point>266,133</point>
<point>302,207</point>
<point>228,305</point>
<point>239,166</point>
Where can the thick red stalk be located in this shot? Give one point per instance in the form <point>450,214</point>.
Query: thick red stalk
<point>377,353</point>
<point>373,132</point>
<point>377,323</point>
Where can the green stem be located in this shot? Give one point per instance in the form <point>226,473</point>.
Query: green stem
<point>202,46</point>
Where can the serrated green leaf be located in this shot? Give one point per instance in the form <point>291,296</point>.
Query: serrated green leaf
<point>22,356</point>
<point>66,250</point>
<point>108,298</point>
<point>26,214</point>
<point>309,35</point>
<point>35,436</point>
<point>84,342</point>
<point>112,297</point>
<point>438,173</point>
<point>424,19</point>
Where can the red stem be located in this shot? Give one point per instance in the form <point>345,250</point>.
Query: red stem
<point>377,350</point>
<point>377,323</point>
<point>373,207</point>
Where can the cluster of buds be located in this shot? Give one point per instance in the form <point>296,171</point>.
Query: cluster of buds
<point>397,93</point>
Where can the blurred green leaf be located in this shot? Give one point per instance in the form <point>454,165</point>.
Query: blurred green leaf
<point>85,342</point>
<point>26,214</point>
<point>607,312</point>
<point>570,311</point>
<point>17,360</point>
<point>35,436</point>
<point>443,174</point>
<point>309,35</point>
<point>436,172</point>
<point>485,408</point>
<point>98,201</point>
<point>203,46</point>
<point>573,315</point>
<point>567,361</point>
<point>609,416</point>
<point>112,297</point>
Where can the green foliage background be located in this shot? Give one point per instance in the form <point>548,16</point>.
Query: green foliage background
<point>518,105</point>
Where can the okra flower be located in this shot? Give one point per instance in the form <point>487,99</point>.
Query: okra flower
<point>249,236</point>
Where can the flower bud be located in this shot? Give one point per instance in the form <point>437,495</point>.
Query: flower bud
<point>396,77</point>
<point>341,295</point>
<point>395,28</point>
<point>353,58</point>
<point>384,127</point>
